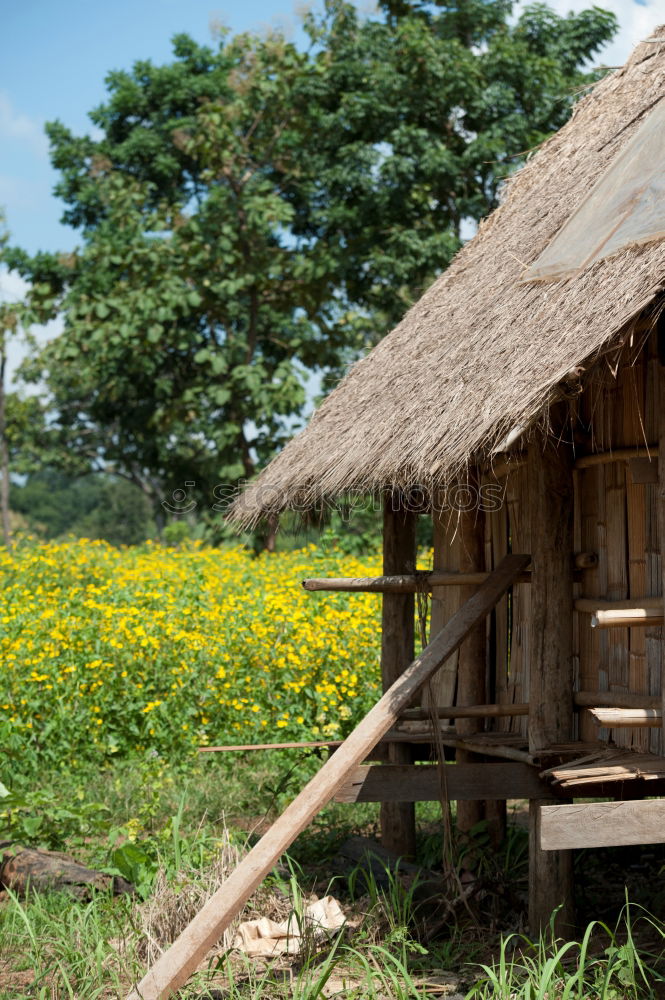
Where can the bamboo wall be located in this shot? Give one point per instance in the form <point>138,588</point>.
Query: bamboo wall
<point>616,517</point>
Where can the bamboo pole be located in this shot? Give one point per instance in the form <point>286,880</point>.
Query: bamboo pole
<point>615,699</point>
<point>408,584</point>
<point>272,746</point>
<point>411,583</point>
<point>487,749</point>
<point>637,618</point>
<point>626,717</point>
<point>174,966</point>
<point>618,455</point>
<point>642,611</point>
<point>464,712</point>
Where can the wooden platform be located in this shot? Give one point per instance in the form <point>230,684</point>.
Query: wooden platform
<point>559,772</point>
<point>606,765</point>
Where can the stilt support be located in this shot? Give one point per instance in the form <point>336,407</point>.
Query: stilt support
<point>550,471</point>
<point>398,819</point>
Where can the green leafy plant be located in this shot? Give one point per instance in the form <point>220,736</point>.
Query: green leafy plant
<point>575,970</point>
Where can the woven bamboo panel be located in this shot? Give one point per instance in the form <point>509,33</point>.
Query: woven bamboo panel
<point>497,525</point>
<point>445,602</point>
<point>618,519</point>
<point>517,502</point>
<point>653,635</point>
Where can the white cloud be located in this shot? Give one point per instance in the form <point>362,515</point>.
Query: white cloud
<point>636,22</point>
<point>17,126</point>
<point>12,286</point>
<point>12,289</point>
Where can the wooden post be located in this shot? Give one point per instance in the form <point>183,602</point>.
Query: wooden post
<point>398,819</point>
<point>472,663</point>
<point>661,508</point>
<point>550,469</point>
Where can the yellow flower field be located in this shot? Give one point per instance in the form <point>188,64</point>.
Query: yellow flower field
<point>108,651</point>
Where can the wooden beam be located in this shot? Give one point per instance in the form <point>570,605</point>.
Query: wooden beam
<point>615,699</point>
<point>398,819</point>
<point>174,967</point>
<point>602,824</point>
<point>464,782</point>
<point>550,472</point>
<point>472,663</point>
<point>618,455</point>
<point>464,712</point>
<point>449,739</point>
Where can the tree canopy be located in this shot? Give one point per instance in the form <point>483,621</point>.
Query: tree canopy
<point>254,212</point>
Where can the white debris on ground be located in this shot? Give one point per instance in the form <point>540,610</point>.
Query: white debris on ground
<point>264,937</point>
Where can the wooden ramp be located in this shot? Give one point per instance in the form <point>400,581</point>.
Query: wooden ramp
<point>175,966</point>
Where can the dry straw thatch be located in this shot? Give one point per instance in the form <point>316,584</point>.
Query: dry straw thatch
<point>483,352</point>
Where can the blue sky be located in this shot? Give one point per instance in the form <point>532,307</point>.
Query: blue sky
<point>54,57</point>
<point>53,60</point>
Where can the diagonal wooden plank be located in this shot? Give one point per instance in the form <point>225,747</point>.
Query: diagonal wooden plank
<point>174,967</point>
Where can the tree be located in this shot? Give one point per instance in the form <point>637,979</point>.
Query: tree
<point>192,314</point>
<point>423,116</point>
<point>93,506</point>
<point>255,212</point>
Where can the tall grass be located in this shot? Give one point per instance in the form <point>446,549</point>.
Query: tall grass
<point>605,964</point>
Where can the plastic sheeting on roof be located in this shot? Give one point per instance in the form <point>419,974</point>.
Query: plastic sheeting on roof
<point>625,207</point>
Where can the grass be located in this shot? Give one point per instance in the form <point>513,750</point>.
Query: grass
<point>176,831</point>
<point>122,662</point>
<point>58,949</point>
<point>604,964</point>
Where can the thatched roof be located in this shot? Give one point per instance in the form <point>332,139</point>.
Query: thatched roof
<point>484,352</point>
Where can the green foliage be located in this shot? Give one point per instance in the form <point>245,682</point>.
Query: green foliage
<point>577,970</point>
<point>253,213</point>
<point>96,506</point>
<point>42,817</point>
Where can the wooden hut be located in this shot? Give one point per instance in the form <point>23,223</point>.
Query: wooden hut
<point>521,405</point>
